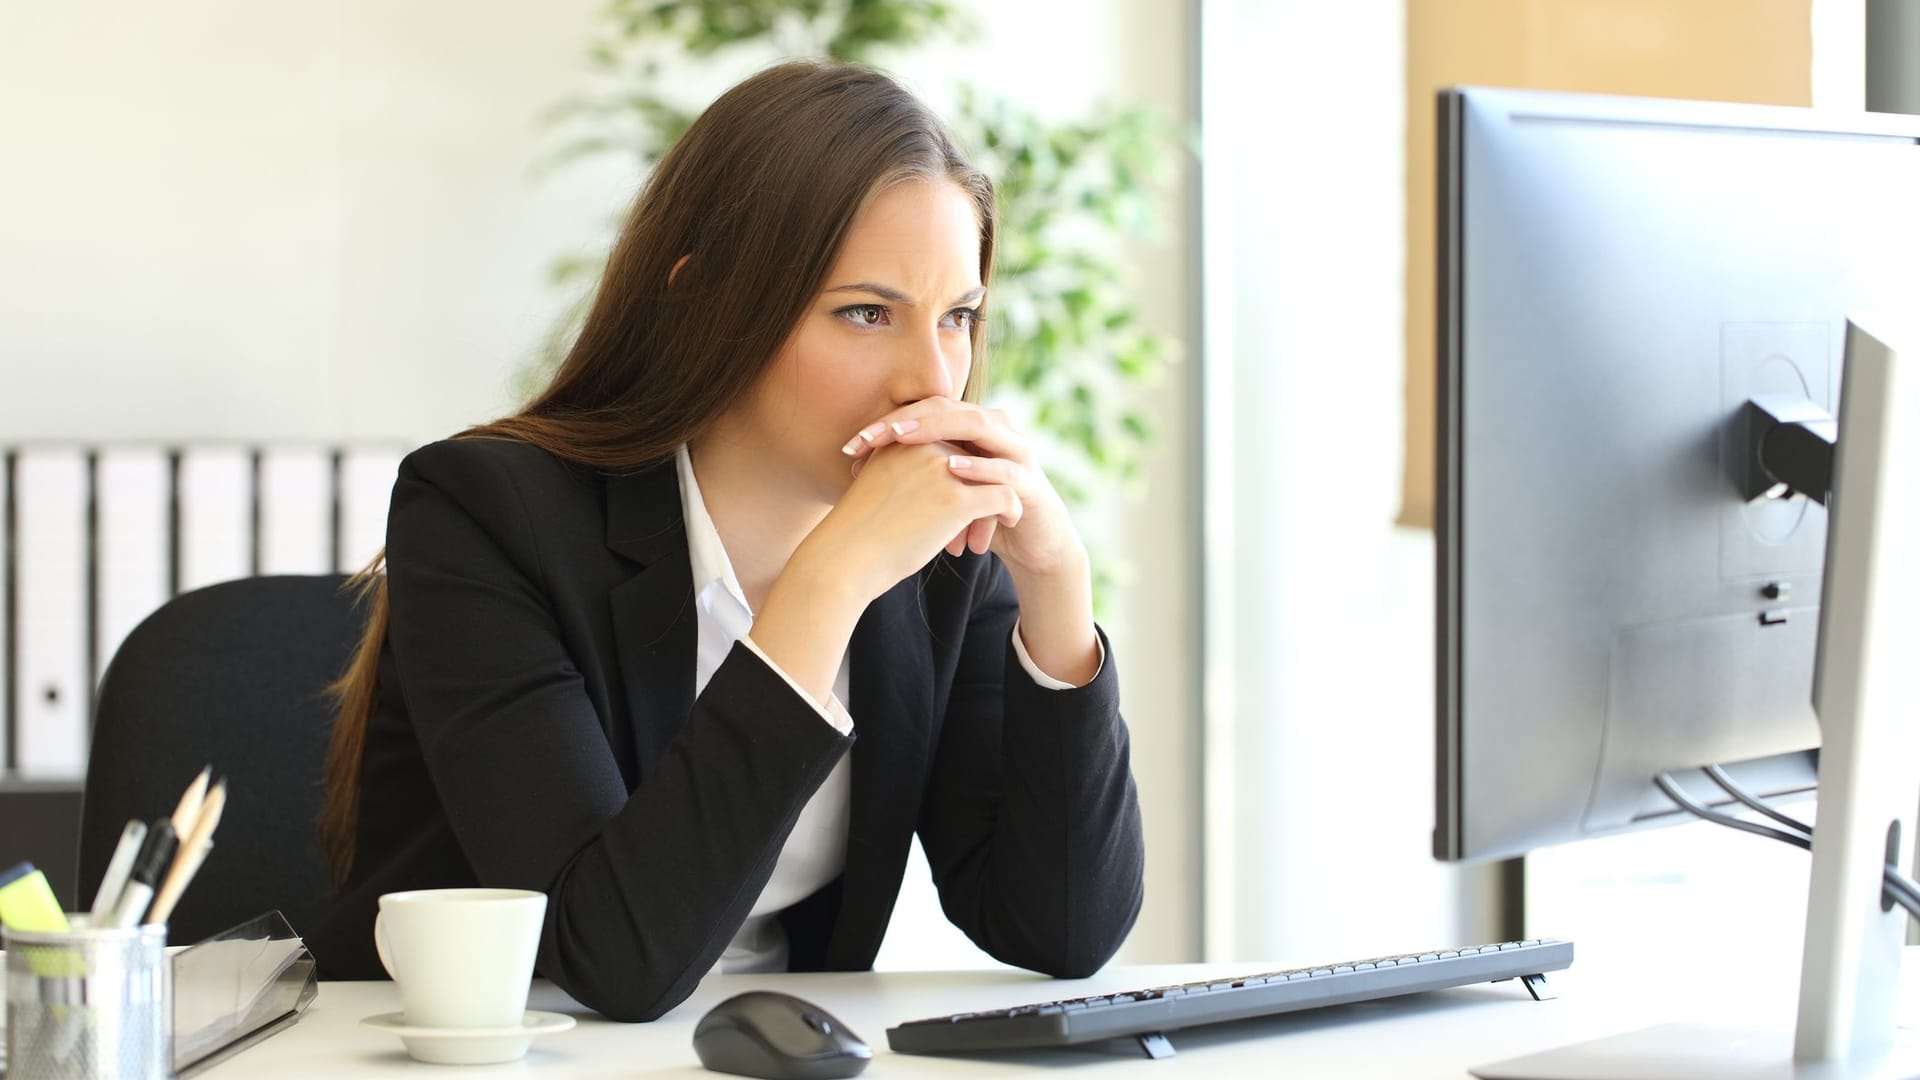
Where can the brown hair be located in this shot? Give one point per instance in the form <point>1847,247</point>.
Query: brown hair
<point>760,193</point>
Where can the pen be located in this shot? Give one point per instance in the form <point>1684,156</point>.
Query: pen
<point>190,800</point>
<point>118,867</point>
<point>26,901</point>
<point>193,851</point>
<point>154,856</point>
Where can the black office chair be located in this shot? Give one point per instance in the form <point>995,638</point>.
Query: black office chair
<point>232,675</point>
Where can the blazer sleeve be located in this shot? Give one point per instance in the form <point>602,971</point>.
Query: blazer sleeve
<point>1031,823</point>
<point>645,889</point>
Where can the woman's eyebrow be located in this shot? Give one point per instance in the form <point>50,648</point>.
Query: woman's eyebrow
<point>895,296</point>
<point>887,293</point>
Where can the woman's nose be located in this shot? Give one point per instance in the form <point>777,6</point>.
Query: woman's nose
<point>925,371</point>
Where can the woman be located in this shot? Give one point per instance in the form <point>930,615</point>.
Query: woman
<point>765,426</point>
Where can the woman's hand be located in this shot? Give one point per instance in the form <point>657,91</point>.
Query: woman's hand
<point>983,449</point>
<point>1043,553</point>
<point>905,505</point>
<point>938,473</point>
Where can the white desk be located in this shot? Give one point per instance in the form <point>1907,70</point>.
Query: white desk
<point>1429,1035</point>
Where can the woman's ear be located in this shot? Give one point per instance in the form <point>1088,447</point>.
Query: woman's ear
<point>677,264</point>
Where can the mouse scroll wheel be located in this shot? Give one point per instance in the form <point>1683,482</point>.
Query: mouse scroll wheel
<point>817,1022</point>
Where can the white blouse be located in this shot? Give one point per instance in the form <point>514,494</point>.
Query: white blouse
<point>816,850</point>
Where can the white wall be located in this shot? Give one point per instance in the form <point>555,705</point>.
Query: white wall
<point>229,219</point>
<point>1319,725</point>
<point>237,219</point>
<point>1840,54</point>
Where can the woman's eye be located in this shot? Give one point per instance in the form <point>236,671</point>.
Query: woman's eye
<point>864,314</point>
<point>964,318</point>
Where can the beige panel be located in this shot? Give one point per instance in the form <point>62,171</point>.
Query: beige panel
<point>1726,50</point>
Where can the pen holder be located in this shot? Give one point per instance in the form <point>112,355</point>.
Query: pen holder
<point>89,1004</point>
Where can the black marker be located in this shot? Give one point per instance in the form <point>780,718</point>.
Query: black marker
<point>155,854</point>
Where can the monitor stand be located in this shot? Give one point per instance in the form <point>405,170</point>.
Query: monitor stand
<point>1676,1051</point>
<point>1864,693</point>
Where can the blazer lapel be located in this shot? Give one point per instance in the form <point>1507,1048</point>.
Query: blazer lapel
<point>892,711</point>
<point>654,622</point>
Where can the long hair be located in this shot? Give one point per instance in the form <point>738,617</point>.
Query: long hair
<point>758,195</point>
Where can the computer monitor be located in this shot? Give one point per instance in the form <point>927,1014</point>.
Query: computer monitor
<point>1623,591</point>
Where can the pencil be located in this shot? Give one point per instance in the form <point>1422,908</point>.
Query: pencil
<point>193,851</point>
<point>178,878</point>
<point>190,800</point>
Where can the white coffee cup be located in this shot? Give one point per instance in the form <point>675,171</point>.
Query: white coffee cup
<point>463,957</point>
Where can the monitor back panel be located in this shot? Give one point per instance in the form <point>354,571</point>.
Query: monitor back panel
<point>1617,277</point>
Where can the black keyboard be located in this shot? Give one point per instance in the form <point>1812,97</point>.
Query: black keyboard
<point>1148,1014</point>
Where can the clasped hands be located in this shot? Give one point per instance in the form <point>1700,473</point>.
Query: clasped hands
<point>945,473</point>
<point>936,474</point>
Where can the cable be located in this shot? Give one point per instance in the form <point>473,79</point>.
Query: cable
<point>1719,776</point>
<point>1895,877</point>
<point>1903,889</point>
<point>1895,880</point>
<point>1672,791</point>
<point>1895,886</point>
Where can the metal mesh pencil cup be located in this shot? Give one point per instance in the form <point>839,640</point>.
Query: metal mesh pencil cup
<point>88,1004</point>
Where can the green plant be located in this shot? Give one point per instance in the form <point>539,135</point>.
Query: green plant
<point>1067,351</point>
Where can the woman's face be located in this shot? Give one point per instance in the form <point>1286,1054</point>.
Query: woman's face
<point>892,325</point>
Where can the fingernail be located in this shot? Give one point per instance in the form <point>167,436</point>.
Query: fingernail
<point>904,427</point>
<point>853,446</point>
<point>959,463</point>
<point>873,432</point>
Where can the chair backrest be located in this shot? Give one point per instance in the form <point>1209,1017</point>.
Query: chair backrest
<point>233,675</point>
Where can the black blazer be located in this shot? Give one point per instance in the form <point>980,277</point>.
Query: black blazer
<point>536,727</point>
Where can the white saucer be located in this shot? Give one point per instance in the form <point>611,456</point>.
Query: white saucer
<point>469,1046</point>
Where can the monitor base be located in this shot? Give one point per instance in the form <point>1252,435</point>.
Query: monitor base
<point>1679,1051</point>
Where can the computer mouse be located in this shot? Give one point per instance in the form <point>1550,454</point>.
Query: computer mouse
<point>777,1036</point>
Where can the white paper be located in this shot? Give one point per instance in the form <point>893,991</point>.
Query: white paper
<point>231,979</point>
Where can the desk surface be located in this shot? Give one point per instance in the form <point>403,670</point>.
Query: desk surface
<point>1428,1035</point>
